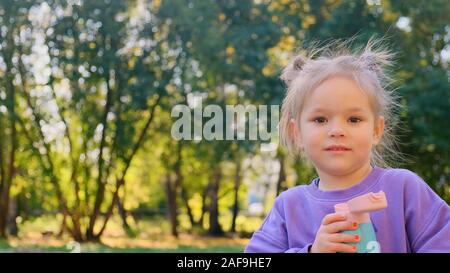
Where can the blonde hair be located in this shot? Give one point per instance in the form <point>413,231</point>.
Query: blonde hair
<point>367,66</point>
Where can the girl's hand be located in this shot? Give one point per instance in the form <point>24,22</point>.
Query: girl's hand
<point>329,240</point>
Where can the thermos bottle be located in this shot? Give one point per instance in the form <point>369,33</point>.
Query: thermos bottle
<point>357,210</point>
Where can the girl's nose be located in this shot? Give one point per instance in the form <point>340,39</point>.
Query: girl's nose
<point>336,131</point>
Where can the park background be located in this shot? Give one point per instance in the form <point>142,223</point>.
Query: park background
<point>86,94</point>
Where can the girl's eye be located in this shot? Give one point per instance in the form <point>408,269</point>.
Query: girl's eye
<point>354,120</point>
<point>320,120</point>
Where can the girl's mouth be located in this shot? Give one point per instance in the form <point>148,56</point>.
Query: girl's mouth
<point>337,149</point>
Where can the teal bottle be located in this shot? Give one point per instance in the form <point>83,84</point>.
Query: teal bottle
<point>368,239</point>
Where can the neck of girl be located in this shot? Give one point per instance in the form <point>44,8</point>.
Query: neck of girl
<point>329,182</point>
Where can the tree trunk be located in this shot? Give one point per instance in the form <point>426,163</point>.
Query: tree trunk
<point>121,182</point>
<point>172,191</point>
<point>237,184</point>
<point>3,214</point>
<point>12,215</point>
<point>171,200</point>
<point>204,205</point>
<point>123,214</point>
<point>63,226</point>
<point>101,180</point>
<point>11,169</point>
<point>214,226</point>
<point>188,208</point>
<point>2,171</point>
<point>23,207</point>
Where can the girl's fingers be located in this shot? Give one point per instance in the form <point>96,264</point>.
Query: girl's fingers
<point>343,248</point>
<point>344,238</point>
<point>340,226</point>
<point>333,217</point>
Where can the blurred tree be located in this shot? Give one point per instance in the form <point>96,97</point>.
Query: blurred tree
<point>108,77</point>
<point>228,40</point>
<point>14,43</point>
<point>422,42</point>
<point>87,89</point>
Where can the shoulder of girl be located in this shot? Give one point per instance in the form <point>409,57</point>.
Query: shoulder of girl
<point>401,174</point>
<point>407,178</point>
<point>292,192</point>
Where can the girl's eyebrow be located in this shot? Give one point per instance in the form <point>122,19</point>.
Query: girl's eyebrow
<point>355,109</point>
<point>352,109</point>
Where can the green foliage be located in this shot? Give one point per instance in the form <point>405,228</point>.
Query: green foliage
<point>79,83</point>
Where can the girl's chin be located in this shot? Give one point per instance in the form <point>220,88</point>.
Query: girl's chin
<point>337,169</point>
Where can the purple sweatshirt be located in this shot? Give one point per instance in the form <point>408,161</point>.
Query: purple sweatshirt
<point>416,219</point>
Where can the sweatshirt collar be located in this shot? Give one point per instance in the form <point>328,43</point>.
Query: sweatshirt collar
<point>345,194</point>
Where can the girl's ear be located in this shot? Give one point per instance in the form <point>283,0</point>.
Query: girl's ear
<point>378,130</point>
<point>294,132</point>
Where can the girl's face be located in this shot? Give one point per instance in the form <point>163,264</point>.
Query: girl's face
<point>338,127</point>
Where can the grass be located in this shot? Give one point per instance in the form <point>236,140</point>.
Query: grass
<point>149,236</point>
<point>45,247</point>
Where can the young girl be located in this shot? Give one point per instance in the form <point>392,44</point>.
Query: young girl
<point>334,114</point>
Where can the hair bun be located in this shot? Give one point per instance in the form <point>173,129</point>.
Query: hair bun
<point>293,69</point>
<point>299,62</point>
<point>372,61</point>
<point>375,57</point>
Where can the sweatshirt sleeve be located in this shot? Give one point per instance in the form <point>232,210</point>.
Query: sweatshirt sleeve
<point>427,218</point>
<point>272,236</point>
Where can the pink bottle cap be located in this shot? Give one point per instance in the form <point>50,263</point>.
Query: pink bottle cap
<point>358,208</point>
<point>368,202</point>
